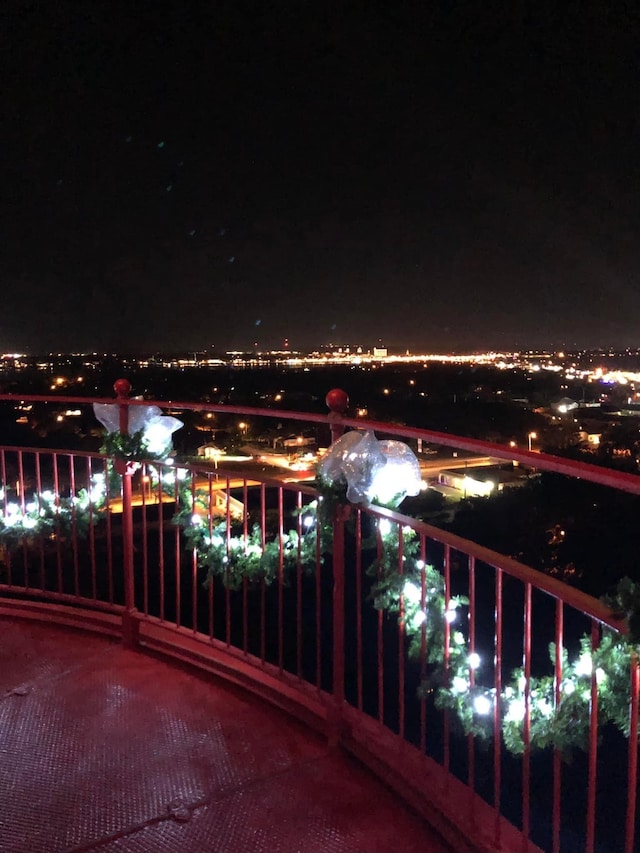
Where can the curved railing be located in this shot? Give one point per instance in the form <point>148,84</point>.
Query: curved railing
<point>311,641</point>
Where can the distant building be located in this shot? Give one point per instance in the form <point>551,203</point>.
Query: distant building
<point>564,405</point>
<point>210,451</point>
<point>294,442</point>
<point>591,429</point>
<point>482,481</point>
<point>591,439</point>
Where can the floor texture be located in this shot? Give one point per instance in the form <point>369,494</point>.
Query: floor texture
<point>109,750</point>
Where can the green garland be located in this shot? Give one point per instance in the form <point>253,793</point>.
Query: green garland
<point>241,556</point>
<point>563,725</point>
<point>132,448</point>
<point>44,516</point>
<point>403,593</point>
<point>119,445</point>
<point>625,604</point>
<point>417,595</point>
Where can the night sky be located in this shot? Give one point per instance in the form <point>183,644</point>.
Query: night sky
<point>223,174</point>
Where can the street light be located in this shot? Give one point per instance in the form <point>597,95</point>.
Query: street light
<point>530,436</point>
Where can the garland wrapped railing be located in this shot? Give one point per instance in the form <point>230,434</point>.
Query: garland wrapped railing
<point>416,594</point>
<point>456,679</point>
<point>45,514</point>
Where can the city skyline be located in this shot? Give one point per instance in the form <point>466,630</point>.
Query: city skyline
<point>444,179</point>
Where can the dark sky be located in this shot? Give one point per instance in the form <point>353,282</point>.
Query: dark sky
<point>183,175</point>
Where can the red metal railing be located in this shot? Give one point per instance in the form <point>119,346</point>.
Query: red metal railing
<point>312,642</point>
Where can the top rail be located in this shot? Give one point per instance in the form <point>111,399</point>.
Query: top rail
<point>557,589</point>
<point>619,480</point>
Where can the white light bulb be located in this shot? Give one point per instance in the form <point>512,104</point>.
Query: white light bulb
<point>411,592</point>
<point>482,705</point>
<point>419,618</point>
<point>384,526</point>
<point>515,712</point>
<point>584,665</point>
<point>474,660</point>
<point>459,684</point>
<point>545,708</point>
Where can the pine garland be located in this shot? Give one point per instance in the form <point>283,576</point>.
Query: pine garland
<point>417,595</point>
<point>44,515</point>
<point>252,556</point>
<point>241,558</point>
<point>131,447</point>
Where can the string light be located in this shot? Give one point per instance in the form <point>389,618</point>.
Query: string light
<point>482,705</point>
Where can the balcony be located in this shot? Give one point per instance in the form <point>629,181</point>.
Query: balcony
<point>187,664</point>
<point>108,749</point>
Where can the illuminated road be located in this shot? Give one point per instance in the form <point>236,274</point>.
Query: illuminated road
<point>218,482</point>
<point>438,463</point>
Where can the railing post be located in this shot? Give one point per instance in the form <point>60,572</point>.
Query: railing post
<point>335,727</point>
<point>337,402</point>
<point>130,625</point>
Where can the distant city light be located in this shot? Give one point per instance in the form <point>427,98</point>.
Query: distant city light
<point>361,358</point>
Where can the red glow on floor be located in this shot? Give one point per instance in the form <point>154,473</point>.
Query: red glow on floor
<point>104,749</point>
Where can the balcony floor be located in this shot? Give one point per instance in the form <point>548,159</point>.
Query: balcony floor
<point>104,749</point>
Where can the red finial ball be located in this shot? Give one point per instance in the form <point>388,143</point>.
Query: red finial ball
<point>337,401</point>
<point>122,387</point>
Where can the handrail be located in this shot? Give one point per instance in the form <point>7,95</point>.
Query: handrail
<point>547,462</point>
<point>557,589</point>
<point>620,480</point>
